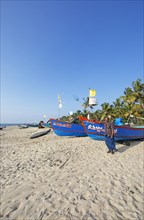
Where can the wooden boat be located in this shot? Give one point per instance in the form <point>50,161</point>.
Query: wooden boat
<point>61,128</point>
<point>121,133</point>
<point>23,126</point>
<point>39,134</point>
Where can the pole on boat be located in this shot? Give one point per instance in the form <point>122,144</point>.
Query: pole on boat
<point>59,104</point>
<point>92,99</point>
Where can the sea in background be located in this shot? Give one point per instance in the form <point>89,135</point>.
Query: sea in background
<point>10,124</point>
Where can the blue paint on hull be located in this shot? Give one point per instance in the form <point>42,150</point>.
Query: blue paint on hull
<point>67,129</point>
<point>121,133</point>
<point>67,133</point>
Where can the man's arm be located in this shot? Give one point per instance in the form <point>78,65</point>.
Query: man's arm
<point>112,130</point>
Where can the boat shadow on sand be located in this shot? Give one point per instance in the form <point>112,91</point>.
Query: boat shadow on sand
<point>127,145</point>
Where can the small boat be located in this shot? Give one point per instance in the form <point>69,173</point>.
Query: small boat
<point>23,126</point>
<point>61,128</point>
<point>39,134</point>
<point>121,133</point>
<point>1,127</point>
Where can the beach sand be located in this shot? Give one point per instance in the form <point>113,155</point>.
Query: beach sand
<point>68,178</point>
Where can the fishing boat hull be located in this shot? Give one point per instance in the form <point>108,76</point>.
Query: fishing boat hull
<point>67,129</point>
<point>121,133</point>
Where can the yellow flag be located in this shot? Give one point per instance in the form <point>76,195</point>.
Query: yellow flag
<point>92,92</point>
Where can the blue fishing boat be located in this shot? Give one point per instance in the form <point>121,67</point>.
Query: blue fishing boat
<point>121,133</point>
<point>61,128</point>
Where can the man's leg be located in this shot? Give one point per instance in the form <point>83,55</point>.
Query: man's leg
<point>107,141</point>
<point>113,144</point>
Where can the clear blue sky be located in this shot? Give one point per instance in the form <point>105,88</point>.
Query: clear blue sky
<point>67,47</point>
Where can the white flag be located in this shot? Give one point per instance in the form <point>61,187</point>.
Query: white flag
<point>92,101</point>
<point>59,101</point>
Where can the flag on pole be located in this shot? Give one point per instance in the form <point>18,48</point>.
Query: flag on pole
<point>92,92</point>
<point>59,101</point>
<point>92,101</point>
<point>92,97</point>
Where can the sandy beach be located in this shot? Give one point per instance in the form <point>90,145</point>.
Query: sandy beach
<point>67,178</point>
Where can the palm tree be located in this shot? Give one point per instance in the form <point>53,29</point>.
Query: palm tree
<point>117,108</point>
<point>134,94</point>
<point>138,92</point>
<point>86,103</point>
<point>127,95</point>
<point>130,104</point>
<point>134,100</point>
<point>106,110</point>
<point>97,114</point>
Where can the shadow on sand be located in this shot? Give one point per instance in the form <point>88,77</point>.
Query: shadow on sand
<point>128,144</point>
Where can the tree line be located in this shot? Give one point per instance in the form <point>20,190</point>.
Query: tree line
<point>129,107</point>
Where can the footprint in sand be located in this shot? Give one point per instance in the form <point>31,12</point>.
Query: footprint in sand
<point>56,162</point>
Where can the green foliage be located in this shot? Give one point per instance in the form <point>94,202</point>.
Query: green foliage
<point>130,104</point>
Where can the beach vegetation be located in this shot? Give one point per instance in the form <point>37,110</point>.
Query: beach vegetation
<point>129,106</point>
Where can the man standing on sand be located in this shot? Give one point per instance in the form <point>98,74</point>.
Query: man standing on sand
<point>109,135</point>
